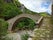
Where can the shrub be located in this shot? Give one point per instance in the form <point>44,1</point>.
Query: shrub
<point>31,24</point>
<point>44,14</point>
<point>8,10</point>
<point>26,22</point>
<point>20,25</point>
<point>3,27</point>
<point>25,36</point>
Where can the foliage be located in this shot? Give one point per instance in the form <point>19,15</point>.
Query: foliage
<point>20,25</point>
<point>31,24</point>
<point>8,10</point>
<point>17,3</point>
<point>44,14</point>
<point>3,27</point>
<point>26,22</point>
<point>25,36</point>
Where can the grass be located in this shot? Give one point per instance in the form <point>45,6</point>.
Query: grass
<point>25,36</point>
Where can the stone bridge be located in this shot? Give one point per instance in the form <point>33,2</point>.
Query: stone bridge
<point>16,19</point>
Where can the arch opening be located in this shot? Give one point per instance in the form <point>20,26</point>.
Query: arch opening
<point>23,22</point>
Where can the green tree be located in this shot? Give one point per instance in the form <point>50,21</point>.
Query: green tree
<point>8,10</point>
<point>3,28</point>
<point>25,22</point>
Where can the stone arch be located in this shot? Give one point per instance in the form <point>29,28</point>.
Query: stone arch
<point>11,22</point>
<point>17,21</point>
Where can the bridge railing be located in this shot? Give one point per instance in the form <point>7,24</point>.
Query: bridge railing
<point>39,22</point>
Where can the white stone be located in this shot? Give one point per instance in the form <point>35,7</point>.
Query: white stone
<point>29,38</point>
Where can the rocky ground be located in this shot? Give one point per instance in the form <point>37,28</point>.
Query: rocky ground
<point>42,33</point>
<point>17,35</point>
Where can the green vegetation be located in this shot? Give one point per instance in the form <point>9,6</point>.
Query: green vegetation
<point>8,10</point>
<point>11,9</point>
<point>25,23</point>
<point>17,3</point>
<point>3,28</point>
<point>25,36</point>
<point>44,14</point>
